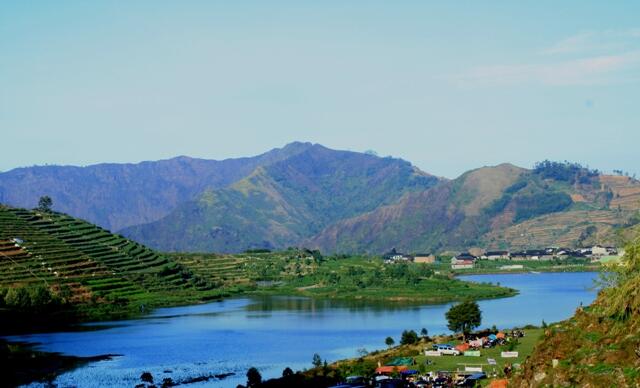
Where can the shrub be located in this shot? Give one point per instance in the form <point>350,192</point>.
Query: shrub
<point>408,337</point>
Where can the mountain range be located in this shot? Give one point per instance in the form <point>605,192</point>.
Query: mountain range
<point>337,201</point>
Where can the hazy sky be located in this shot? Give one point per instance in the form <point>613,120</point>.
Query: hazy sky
<point>447,85</point>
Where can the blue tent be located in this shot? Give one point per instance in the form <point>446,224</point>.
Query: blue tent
<point>409,372</point>
<point>492,337</point>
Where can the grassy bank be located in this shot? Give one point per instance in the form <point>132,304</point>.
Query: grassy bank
<point>366,364</point>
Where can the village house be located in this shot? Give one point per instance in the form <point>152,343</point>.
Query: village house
<point>462,264</point>
<point>394,256</point>
<point>599,250</point>
<point>427,258</point>
<point>465,256</point>
<point>496,255</point>
<point>464,260</point>
<point>531,254</point>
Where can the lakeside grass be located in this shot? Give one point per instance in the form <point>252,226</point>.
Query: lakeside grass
<point>524,348</point>
<point>367,363</point>
<point>364,278</point>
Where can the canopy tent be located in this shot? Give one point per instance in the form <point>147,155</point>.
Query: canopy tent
<point>400,361</point>
<point>409,372</point>
<point>391,369</point>
<point>463,347</point>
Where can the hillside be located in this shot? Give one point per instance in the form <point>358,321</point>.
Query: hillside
<point>307,195</point>
<point>495,207</point>
<point>115,196</point>
<point>600,345</point>
<point>80,266</point>
<point>280,204</point>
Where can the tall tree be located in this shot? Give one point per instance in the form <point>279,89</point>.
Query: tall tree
<point>464,317</point>
<point>317,360</point>
<point>254,378</point>
<point>45,203</point>
<point>389,342</point>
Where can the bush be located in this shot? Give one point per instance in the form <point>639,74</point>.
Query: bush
<point>565,171</point>
<point>531,206</point>
<point>17,298</point>
<point>408,337</point>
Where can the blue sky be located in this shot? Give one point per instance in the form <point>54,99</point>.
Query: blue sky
<point>449,86</point>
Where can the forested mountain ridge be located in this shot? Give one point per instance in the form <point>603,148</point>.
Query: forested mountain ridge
<point>281,204</point>
<point>115,196</point>
<point>307,195</point>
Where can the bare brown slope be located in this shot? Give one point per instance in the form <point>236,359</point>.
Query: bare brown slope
<point>449,214</point>
<point>493,207</point>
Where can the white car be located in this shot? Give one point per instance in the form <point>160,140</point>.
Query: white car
<point>446,349</point>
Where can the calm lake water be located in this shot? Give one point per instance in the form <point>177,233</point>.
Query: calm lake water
<point>276,332</point>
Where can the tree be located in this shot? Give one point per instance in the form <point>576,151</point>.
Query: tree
<point>389,341</point>
<point>424,333</point>
<point>408,337</point>
<point>147,377</point>
<point>464,317</point>
<point>287,372</point>
<point>18,298</point>
<point>317,360</point>
<point>253,377</point>
<point>45,203</point>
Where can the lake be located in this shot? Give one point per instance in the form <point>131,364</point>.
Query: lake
<point>278,332</point>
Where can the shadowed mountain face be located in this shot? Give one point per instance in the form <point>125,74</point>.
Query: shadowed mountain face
<point>115,196</point>
<point>281,204</point>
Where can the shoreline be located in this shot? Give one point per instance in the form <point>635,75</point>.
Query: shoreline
<point>574,269</point>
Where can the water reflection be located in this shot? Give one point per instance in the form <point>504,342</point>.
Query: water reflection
<point>310,305</point>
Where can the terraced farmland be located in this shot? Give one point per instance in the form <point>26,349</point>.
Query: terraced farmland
<point>562,229</point>
<point>248,268</point>
<point>218,269</point>
<point>626,191</point>
<point>89,263</point>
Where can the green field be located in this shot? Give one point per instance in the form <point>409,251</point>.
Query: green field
<point>452,363</point>
<point>367,364</point>
<point>86,269</point>
<point>307,273</point>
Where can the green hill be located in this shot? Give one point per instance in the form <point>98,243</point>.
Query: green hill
<point>281,204</point>
<point>495,208</point>
<point>84,268</point>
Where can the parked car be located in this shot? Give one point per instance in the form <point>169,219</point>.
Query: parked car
<point>395,383</point>
<point>446,349</point>
<point>353,382</point>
